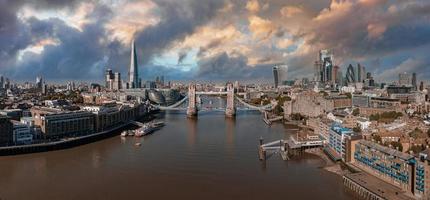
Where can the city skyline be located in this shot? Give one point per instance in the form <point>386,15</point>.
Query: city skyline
<point>77,40</point>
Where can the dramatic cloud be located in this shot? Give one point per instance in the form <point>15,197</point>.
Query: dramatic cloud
<point>211,39</point>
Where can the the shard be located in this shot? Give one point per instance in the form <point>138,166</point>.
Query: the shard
<point>133,76</point>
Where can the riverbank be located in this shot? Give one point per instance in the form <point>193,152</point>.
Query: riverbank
<point>329,165</point>
<point>67,143</point>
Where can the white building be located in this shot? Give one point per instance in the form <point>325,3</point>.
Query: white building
<point>347,89</point>
<point>363,123</point>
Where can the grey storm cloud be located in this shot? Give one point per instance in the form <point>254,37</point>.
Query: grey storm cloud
<point>85,53</point>
<point>225,67</point>
<point>178,19</point>
<point>82,54</point>
<point>181,56</point>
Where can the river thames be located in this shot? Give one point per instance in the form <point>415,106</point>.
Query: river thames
<point>212,157</point>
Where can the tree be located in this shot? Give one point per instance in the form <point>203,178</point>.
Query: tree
<point>357,129</point>
<point>278,109</point>
<point>349,95</point>
<point>417,148</point>
<point>377,138</point>
<point>356,112</point>
<point>397,145</point>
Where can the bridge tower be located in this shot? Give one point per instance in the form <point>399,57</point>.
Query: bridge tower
<point>192,108</point>
<point>230,110</point>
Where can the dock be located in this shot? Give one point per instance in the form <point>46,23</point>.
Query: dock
<point>286,148</point>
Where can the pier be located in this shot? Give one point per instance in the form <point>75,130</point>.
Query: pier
<point>286,148</point>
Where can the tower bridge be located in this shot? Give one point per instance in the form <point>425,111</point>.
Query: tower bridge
<point>230,110</point>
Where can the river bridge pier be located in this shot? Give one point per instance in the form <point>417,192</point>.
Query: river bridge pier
<point>286,148</point>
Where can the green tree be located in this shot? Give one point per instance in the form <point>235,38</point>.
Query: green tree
<point>349,95</point>
<point>278,110</point>
<point>377,138</point>
<point>357,129</point>
<point>397,145</point>
<point>356,112</point>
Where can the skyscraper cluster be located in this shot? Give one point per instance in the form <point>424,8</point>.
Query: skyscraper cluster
<point>113,80</point>
<point>324,67</point>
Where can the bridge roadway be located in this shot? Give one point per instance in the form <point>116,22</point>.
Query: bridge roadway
<point>175,105</point>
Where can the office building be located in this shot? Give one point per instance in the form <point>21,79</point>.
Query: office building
<point>385,163</point>
<point>405,79</point>
<point>117,84</point>
<point>109,79</point>
<point>39,82</point>
<point>6,131</point>
<point>340,140</point>
<point>361,73</point>
<point>133,75</point>
<point>324,67</point>
<point>56,123</point>
<point>350,75</point>
<point>276,76</point>
<point>414,81</point>
<point>280,73</point>
<point>360,101</point>
<point>22,133</point>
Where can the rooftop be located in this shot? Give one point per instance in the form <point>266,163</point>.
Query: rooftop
<point>336,127</point>
<point>387,150</point>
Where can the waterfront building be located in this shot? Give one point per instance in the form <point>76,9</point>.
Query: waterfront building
<point>22,133</point>
<point>6,131</point>
<point>108,117</point>
<point>13,114</point>
<point>340,140</point>
<point>321,126</point>
<point>56,123</point>
<point>385,163</point>
<point>133,75</point>
<point>422,175</point>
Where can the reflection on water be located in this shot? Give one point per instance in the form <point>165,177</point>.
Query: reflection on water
<point>211,157</point>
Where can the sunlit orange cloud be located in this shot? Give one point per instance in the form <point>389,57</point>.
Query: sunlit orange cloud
<point>260,28</point>
<point>131,17</point>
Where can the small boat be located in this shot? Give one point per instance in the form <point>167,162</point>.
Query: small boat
<point>144,130</point>
<point>158,124</point>
<point>124,134</point>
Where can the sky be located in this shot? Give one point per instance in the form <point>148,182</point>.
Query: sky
<point>214,40</point>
